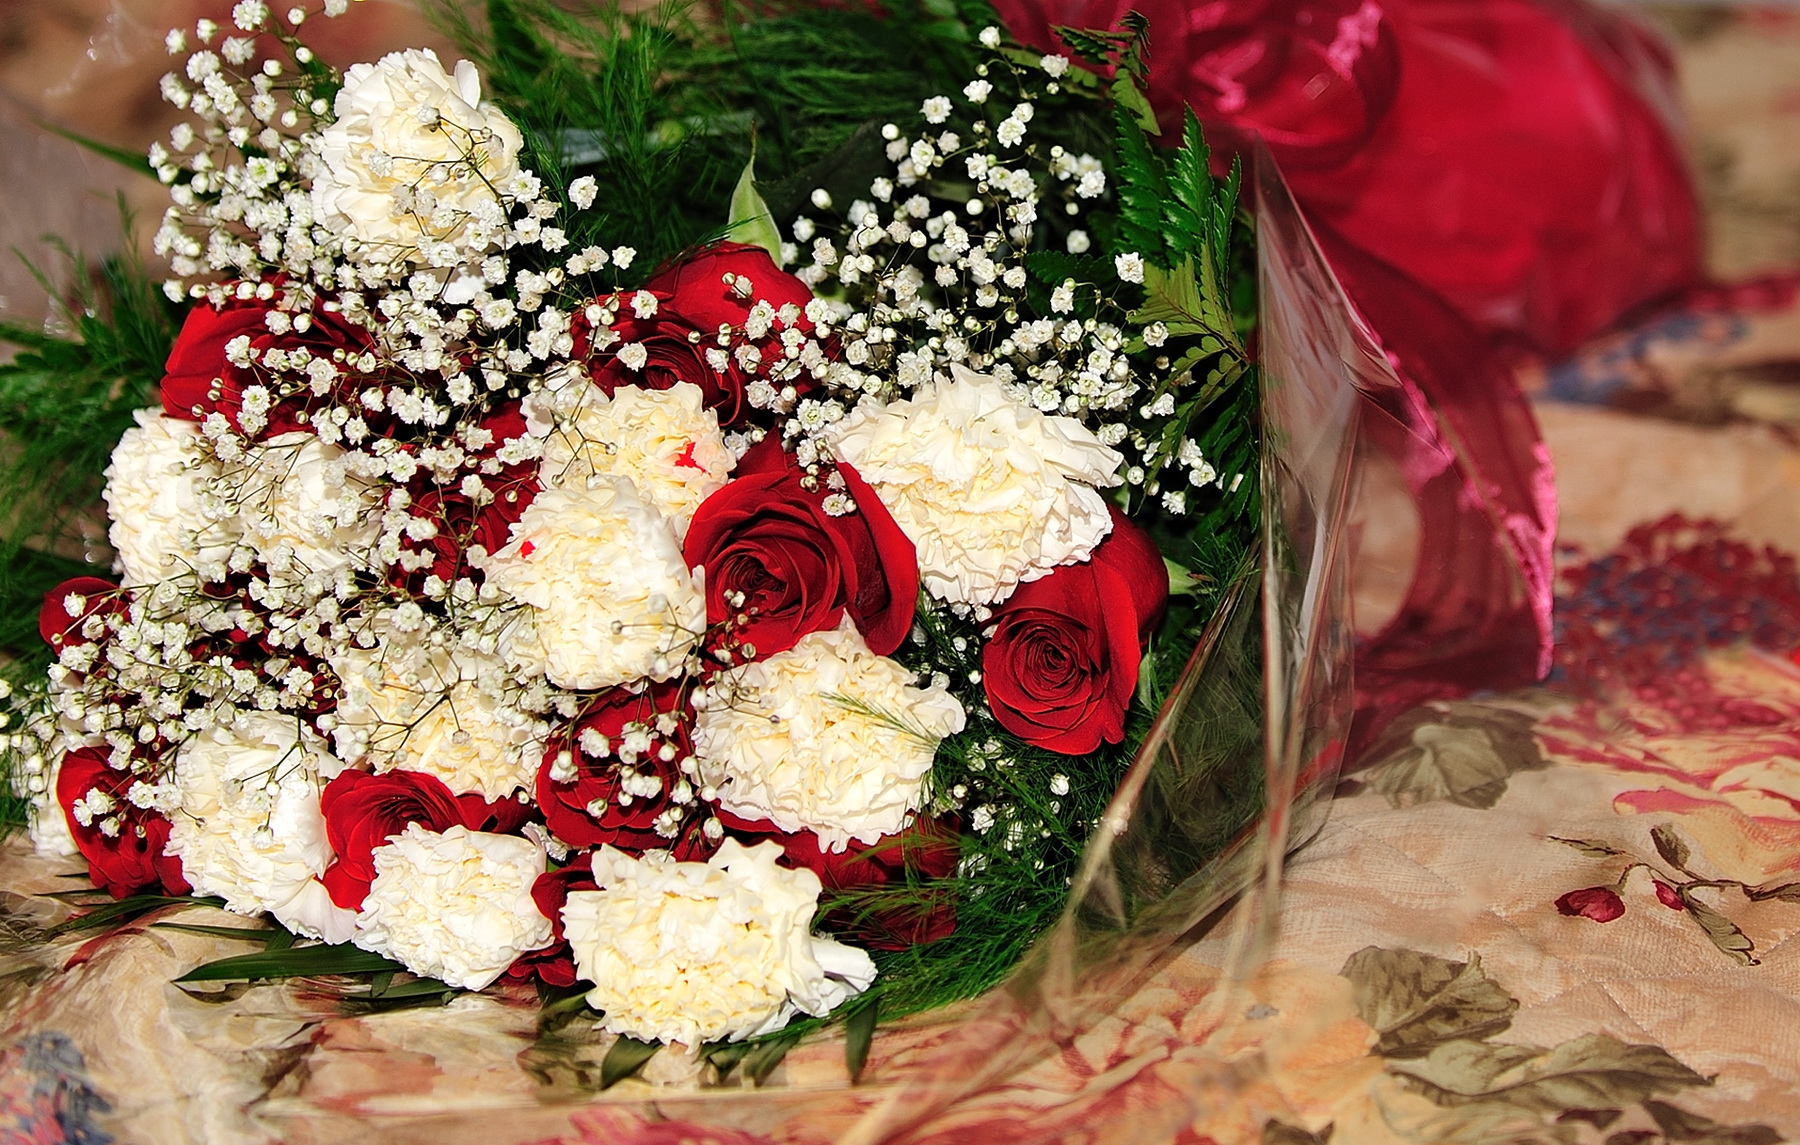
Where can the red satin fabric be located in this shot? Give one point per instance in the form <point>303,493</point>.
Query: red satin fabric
<point>1516,157</point>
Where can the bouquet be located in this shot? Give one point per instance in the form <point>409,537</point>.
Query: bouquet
<point>569,547</point>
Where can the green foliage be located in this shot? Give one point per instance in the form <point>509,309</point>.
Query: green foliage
<point>65,399</point>
<point>664,107</point>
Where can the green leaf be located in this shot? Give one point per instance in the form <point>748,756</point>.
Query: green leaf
<point>125,910</point>
<point>624,1058</point>
<point>1724,933</point>
<point>1131,99</point>
<point>128,159</point>
<point>1588,847</point>
<point>724,1056</point>
<point>760,1062</point>
<point>751,221</point>
<point>859,1032</point>
<point>1786,892</point>
<point>238,933</point>
<point>1680,1125</point>
<point>1417,1002</point>
<point>1462,754</point>
<point>296,962</point>
<point>1670,846</point>
<point>1590,1072</point>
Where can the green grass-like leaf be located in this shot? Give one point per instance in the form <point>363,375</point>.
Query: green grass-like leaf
<point>295,962</point>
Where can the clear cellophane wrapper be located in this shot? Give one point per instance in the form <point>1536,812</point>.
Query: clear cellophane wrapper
<point>1176,895</point>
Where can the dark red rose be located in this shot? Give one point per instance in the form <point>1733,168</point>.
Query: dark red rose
<point>1602,904</point>
<point>692,302</point>
<point>363,811</point>
<point>130,857</point>
<point>798,567</point>
<point>699,291</point>
<point>459,521</point>
<point>596,806</point>
<point>1666,895</point>
<point>199,379</point>
<point>924,851</point>
<point>554,965</point>
<point>1061,661</point>
<point>59,627</point>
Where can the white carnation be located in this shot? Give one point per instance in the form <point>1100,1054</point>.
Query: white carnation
<point>414,158</point>
<point>299,505</point>
<point>455,906</point>
<point>692,952</point>
<point>609,598</point>
<point>666,441</point>
<point>990,491</point>
<point>412,706</point>
<point>826,737</point>
<point>248,827</point>
<point>165,520</point>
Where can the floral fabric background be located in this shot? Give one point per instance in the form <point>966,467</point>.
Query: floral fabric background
<point>1563,915</point>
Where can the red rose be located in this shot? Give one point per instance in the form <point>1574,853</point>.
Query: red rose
<point>1061,662</point>
<point>199,379</point>
<point>692,302</point>
<point>596,806</point>
<point>59,627</point>
<point>554,965</point>
<point>459,521</point>
<point>927,848</point>
<point>363,811</point>
<point>130,857</point>
<point>798,567</point>
<point>1602,904</point>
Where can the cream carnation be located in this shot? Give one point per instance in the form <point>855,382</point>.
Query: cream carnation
<point>609,598</point>
<point>665,441</point>
<point>455,906</point>
<point>300,507</point>
<point>692,952</point>
<point>248,827</point>
<point>446,712</point>
<point>166,521</point>
<point>990,491</point>
<point>826,737</point>
<point>414,157</point>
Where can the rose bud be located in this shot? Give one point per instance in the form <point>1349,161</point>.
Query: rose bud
<point>1602,904</point>
<point>1061,663</point>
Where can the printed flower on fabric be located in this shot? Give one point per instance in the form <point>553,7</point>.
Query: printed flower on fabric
<point>620,775</point>
<point>413,160</point>
<point>694,952</point>
<point>776,556</point>
<point>449,712</point>
<point>116,827</point>
<point>992,492</point>
<point>609,598</point>
<point>1735,787</point>
<point>454,905</point>
<point>663,441</point>
<point>166,519</point>
<point>247,825</point>
<point>826,737</point>
<point>1061,662</point>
